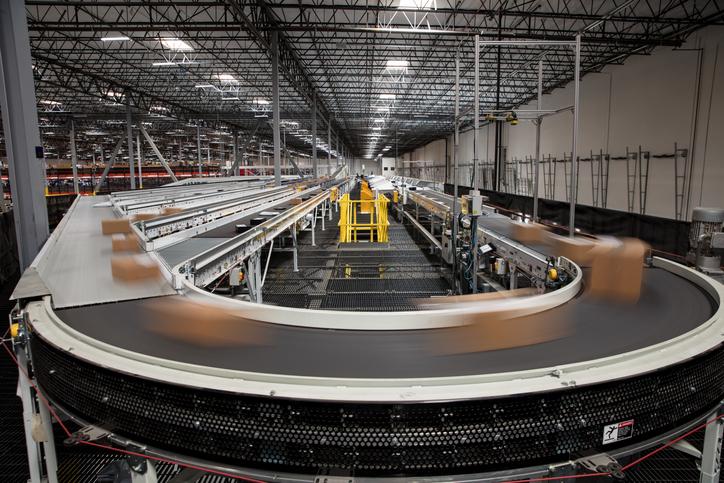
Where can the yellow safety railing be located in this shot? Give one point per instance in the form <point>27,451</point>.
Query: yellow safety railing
<point>378,225</point>
<point>367,198</point>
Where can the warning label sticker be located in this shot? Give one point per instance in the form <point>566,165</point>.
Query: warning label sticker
<point>618,431</point>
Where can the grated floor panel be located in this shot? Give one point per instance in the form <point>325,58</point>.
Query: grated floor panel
<point>355,276</point>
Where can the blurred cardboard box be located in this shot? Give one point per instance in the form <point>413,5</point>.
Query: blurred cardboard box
<point>617,273</point>
<point>576,249</point>
<point>144,216</point>
<point>530,232</point>
<point>113,226</point>
<point>171,210</point>
<point>125,243</point>
<point>134,268</point>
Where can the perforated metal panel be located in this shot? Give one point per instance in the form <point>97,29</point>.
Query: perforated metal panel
<point>377,439</point>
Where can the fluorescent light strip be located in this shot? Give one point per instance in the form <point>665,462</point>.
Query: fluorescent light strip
<point>175,44</point>
<point>119,38</point>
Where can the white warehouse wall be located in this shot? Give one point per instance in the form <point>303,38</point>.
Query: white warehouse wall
<point>650,101</point>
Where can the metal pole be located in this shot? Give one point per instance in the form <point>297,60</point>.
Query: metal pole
<point>157,153</point>
<point>536,175</point>
<point>235,155</point>
<point>129,140</point>
<point>574,156</point>
<point>198,146</point>
<point>26,163</point>
<point>711,453</point>
<point>74,157</point>
<point>315,168</point>
<point>456,147</point>
<point>476,115</point>
<point>294,251</point>
<point>139,148</point>
<point>337,150</point>
<point>329,148</point>
<point>476,125</point>
<point>275,108</point>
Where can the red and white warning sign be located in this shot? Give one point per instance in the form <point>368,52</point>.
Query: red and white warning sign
<point>618,431</point>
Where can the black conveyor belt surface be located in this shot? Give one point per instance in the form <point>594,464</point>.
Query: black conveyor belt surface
<point>669,306</point>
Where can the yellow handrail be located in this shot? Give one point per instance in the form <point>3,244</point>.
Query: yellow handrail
<point>377,226</point>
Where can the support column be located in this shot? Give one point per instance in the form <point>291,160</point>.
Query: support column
<point>275,108</point>
<point>456,153</point>
<point>74,157</point>
<point>129,140</point>
<point>26,163</point>
<point>711,453</point>
<point>295,252</point>
<point>198,147</point>
<point>329,148</point>
<point>315,167</point>
<point>476,114</point>
<point>157,153</point>
<point>139,158</point>
<point>536,171</point>
<point>337,150</point>
<point>235,155</point>
<point>574,154</point>
<point>222,147</point>
<point>314,227</point>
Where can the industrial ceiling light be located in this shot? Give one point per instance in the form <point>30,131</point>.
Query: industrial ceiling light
<point>397,65</point>
<point>163,64</point>
<point>228,78</point>
<point>418,4</point>
<point>176,44</point>
<point>117,38</point>
<point>376,128</point>
<point>205,86</point>
<point>49,102</point>
<point>387,97</point>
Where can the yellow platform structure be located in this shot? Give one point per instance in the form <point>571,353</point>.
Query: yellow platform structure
<point>376,208</point>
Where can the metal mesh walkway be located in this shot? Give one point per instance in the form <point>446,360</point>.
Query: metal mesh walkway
<point>355,276</point>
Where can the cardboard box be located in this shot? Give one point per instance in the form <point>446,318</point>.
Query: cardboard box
<point>576,249</point>
<point>116,225</point>
<point>205,325</point>
<point>144,216</point>
<point>125,243</point>
<point>171,210</point>
<point>530,232</point>
<point>134,268</point>
<point>617,273</point>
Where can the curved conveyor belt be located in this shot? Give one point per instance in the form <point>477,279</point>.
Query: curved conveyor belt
<point>669,306</point>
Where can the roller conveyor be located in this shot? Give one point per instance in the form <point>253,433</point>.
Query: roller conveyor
<point>318,391</point>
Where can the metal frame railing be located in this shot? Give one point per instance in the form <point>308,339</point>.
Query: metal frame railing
<point>349,225</point>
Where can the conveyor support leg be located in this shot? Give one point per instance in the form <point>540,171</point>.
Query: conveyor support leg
<point>38,430</point>
<point>253,279</point>
<point>711,455</point>
<point>143,471</point>
<point>294,251</point>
